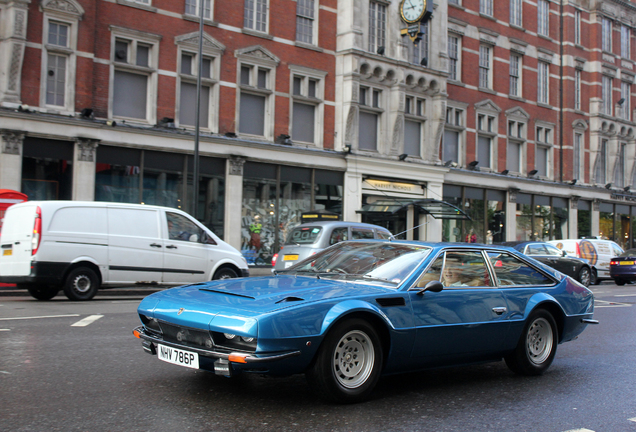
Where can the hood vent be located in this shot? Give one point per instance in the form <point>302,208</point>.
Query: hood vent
<point>226,293</point>
<point>391,301</point>
<point>289,299</point>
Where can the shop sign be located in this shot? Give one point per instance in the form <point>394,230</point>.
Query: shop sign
<point>387,186</point>
<point>622,197</point>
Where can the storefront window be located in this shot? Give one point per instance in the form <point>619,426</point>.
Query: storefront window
<point>259,213</point>
<point>621,226</point>
<point>474,231</point>
<point>295,198</point>
<point>606,221</point>
<point>584,217</point>
<point>559,218</point>
<point>496,232</point>
<point>328,191</point>
<point>542,218</point>
<point>117,174</point>
<point>524,217</point>
<point>47,172</point>
<point>452,228</point>
<point>163,179</point>
<point>211,205</point>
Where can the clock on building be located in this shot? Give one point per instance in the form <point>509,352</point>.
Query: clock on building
<point>413,11</point>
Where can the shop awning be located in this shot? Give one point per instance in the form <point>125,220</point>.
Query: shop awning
<point>436,208</point>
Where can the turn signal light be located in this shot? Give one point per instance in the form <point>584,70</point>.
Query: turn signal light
<point>237,358</point>
<point>137,334</point>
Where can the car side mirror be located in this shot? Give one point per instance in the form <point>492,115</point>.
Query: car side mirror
<point>564,253</point>
<point>434,286</point>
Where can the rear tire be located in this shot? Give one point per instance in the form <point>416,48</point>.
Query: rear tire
<point>537,345</point>
<point>81,284</point>
<point>595,280</point>
<point>619,282</point>
<point>41,292</point>
<point>585,276</point>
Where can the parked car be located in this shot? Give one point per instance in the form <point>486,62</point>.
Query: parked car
<point>82,246</point>
<point>360,309</point>
<point>308,238</point>
<point>577,268</point>
<point>623,267</point>
<point>597,252</point>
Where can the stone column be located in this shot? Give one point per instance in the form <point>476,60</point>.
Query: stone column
<point>13,28</point>
<point>434,226</point>
<point>233,201</point>
<point>573,218</point>
<point>595,215</point>
<point>511,215</point>
<point>352,196</point>
<point>11,159</point>
<point>84,169</point>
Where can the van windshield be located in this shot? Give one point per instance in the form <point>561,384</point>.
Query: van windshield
<point>304,235</point>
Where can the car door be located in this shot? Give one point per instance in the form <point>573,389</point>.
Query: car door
<point>467,318</point>
<point>186,258</point>
<point>135,246</point>
<point>564,264</point>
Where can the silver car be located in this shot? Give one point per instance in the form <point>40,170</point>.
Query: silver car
<point>309,238</point>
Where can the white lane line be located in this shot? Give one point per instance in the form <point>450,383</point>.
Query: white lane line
<point>632,419</point>
<point>625,295</point>
<point>86,321</point>
<point>38,317</point>
<point>5,372</point>
<point>579,430</point>
<point>5,329</point>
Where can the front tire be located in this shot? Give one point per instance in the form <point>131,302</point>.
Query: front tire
<point>585,276</point>
<point>537,346</point>
<point>594,279</point>
<point>81,284</point>
<point>225,273</point>
<point>41,292</point>
<point>348,364</point>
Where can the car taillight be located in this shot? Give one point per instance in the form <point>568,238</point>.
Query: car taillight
<point>274,258</point>
<point>613,262</point>
<point>37,231</point>
<point>578,250</point>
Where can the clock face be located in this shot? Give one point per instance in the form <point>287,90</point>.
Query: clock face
<point>412,10</point>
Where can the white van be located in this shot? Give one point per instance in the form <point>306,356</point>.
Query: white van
<point>80,246</point>
<point>597,251</point>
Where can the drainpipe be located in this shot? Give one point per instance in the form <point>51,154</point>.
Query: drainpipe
<point>561,93</point>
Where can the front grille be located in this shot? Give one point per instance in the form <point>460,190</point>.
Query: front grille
<point>186,335</point>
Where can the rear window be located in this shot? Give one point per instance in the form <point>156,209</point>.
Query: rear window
<point>304,235</point>
<point>628,253</point>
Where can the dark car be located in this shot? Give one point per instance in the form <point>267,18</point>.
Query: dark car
<point>577,268</point>
<point>623,267</point>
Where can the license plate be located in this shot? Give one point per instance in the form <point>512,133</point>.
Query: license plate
<point>290,257</point>
<point>7,252</point>
<point>178,356</point>
<point>626,262</point>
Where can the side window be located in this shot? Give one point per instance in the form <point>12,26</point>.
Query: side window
<point>384,235</point>
<point>181,228</point>
<point>361,233</point>
<point>553,251</point>
<point>465,269</point>
<point>433,274</point>
<point>535,249</point>
<point>616,250</point>
<point>338,235</point>
<point>512,271</point>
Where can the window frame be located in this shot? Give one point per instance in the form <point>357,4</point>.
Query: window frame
<point>377,26</point>
<point>315,25</point>
<point>372,108</point>
<point>578,150</point>
<point>486,7</point>
<point>491,122</point>
<point>626,93</point>
<point>486,66</point>
<point>516,13</point>
<point>457,125</point>
<point>544,141</point>
<point>543,18</point>
<point>606,34</point>
<point>577,89</point>
<point>318,100</point>
<point>518,139</point>
<point>626,35</point>
<point>577,27</point>
<point>197,11</point>
<point>543,83</point>
<point>454,63</point>
<point>417,114</point>
<point>607,89</point>
<point>518,77</point>
<point>618,179</point>
<point>254,10</point>
<point>600,165</point>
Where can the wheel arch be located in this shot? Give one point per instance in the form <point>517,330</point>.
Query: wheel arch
<point>83,263</point>
<point>225,264</point>
<point>549,304</point>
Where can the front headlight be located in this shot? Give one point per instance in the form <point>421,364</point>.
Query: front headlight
<point>150,323</point>
<point>234,342</point>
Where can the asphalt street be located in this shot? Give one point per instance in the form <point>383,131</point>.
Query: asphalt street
<point>75,366</point>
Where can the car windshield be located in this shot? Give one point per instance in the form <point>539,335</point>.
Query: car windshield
<point>628,253</point>
<point>304,235</point>
<point>384,263</point>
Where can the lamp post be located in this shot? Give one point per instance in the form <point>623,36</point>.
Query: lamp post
<point>195,203</point>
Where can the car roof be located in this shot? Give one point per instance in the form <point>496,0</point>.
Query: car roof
<point>340,223</point>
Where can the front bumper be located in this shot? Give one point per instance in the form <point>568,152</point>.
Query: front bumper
<point>141,333</point>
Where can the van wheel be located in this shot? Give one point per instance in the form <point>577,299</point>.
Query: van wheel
<point>594,280</point>
<point>41,292</point>
<point>81,284</point>
<point>225,273</point>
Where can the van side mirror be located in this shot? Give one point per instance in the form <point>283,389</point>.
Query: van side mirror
<point>194,238</point>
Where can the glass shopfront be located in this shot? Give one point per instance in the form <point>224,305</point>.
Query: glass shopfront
<point>274,198</point>
<point>616,222</point>
<point>540,217</point>
<point>584,219</point>
<point>606,221</point>
<point>47,169</point>
<point>487,210</point>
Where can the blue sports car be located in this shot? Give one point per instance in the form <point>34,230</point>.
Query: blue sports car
<point>360,309</point>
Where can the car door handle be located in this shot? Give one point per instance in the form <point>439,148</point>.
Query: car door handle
<point>171,247</point>
<point>155,245</point>
<point>499,310</point>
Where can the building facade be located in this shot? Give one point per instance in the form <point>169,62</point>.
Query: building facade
<point>520,116</point>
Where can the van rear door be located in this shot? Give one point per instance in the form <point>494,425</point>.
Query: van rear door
<point>135,253</point>
<point>17,233</point>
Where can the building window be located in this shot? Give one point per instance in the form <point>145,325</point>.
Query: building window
<point>414,121</point>
<point>578,156</point>
<point>543,144</point>
<point>606,94</point>
<point>606,34</point>
<point>619,170</point>
<point>543,17</point>
<point>192,8</point>
<point>601,161</point>
<point>485,67</point>
<point>516,12</point>
<point>486,134</point>
<point>577,27</point>
<point>543,83</point>
<point>515,75</point>
<point>188,73</point>
<point>577,89</point>
<point>255,17</point>
<point>255,94</point>
<point>418,52</point>
<point>516,143</point>
<point>455,2</point>
<point>625,42</point>
<point>305,16</point>
<point>370,101</point>
<point>626,96</point>
<point>58,65</point>
<point>307,106</point>
<point>453,136</point>
<point>454,66</point>
<point>377,26</point>
<point>134,68</point>
<point>485,7</point>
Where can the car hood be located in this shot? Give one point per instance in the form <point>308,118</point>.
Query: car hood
<point>255,296</point>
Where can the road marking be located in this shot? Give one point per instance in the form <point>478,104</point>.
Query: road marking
<point>5,329</point>
<point>579,430</point>
<point>625,295</point>
<point>38,317</point>
<point>5,372</point>
<point>632,419</point>
<point>609,304</point>
<point>86,321</point>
